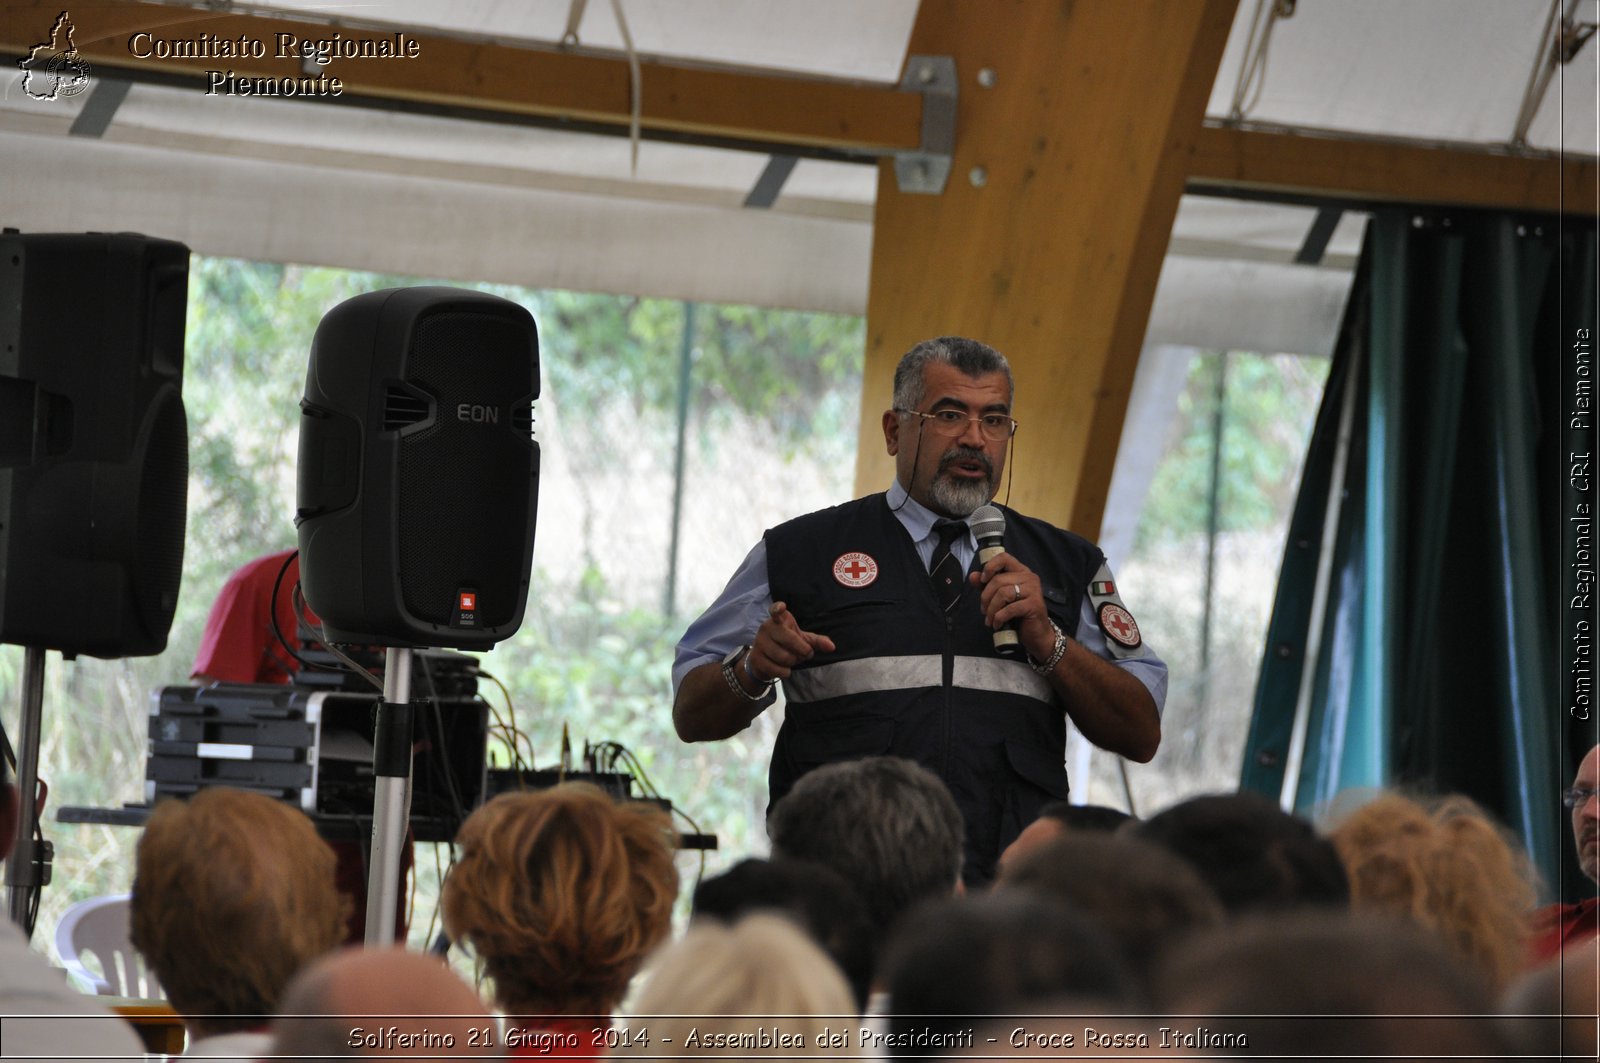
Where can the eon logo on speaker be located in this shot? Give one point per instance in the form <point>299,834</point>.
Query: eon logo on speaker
<point>470,411</point>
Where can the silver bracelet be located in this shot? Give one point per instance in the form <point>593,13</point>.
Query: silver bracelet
<point>733,680</point>
<point>750,670</point>
<point>1056,653</point>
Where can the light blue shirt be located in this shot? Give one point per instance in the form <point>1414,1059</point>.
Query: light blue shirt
<point>731,621</point>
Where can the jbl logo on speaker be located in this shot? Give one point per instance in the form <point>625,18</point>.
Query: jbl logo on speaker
<point>418,471</point>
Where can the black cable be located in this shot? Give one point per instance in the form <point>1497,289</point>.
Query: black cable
<point>6,750</point>
<point>442,763</point>
<point>636,770</point>
<point>297,605</point>
<point>272,614</point>
<point>510,733</point>
<point>915,454</point>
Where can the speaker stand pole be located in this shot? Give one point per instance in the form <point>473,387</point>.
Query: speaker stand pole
<point>24,873</point>
<point>391,769</point>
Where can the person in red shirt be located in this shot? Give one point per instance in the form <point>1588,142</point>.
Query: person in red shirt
<point>239,645</point>
<point>1556,926</point>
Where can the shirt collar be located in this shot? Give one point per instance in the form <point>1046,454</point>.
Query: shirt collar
<point>916,518</point>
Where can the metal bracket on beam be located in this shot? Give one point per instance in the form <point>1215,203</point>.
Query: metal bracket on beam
<point>927,169</point>
<point>100,108</point>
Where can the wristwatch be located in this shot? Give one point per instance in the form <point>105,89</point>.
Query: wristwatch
<point>730,662</point>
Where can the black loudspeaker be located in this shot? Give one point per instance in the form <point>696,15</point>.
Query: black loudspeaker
<point>418,473</point>
<point>94,443</point>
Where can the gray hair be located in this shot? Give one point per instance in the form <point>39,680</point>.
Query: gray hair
<point>887,825</point>
<point>971,357</point>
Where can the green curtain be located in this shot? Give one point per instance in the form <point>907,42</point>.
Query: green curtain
<point>1421,632</point>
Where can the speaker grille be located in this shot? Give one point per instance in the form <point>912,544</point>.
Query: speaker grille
<point>465,481</point>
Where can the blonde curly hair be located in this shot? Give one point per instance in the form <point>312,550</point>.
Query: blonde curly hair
<point>562,893</point>
<point>1447,866</point>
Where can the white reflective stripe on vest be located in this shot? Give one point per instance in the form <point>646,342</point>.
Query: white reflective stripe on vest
<point>873,674</point>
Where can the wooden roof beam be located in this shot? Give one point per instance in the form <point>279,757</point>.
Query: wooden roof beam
<point>492,78</point>
<point>1339,166</point>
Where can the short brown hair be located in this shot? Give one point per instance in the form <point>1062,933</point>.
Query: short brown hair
<point>233,892</point>
<point>562,893</point>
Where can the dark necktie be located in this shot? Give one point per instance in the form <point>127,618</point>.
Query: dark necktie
<point>945,569</point>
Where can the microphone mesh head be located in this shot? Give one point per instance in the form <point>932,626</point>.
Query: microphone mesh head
<point>987,522</point>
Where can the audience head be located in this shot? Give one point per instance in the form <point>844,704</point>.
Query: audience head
<point>343,1004</point>
<point>887,825</point>
<point>1057,820</point>
<point>562,893</point>
<point>233,893</point>
<point>1001,953</point>
<point>815,897</point>
<point>1551,1012</point>
<point>1586,814</point>
<point>1145,898</point>
<point>763,972</point>
<point>1323,983</point>
<point>1449,869</point>
<point>1254,855</point>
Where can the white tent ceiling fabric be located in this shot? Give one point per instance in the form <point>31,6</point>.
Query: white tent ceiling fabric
<point>434,227</point>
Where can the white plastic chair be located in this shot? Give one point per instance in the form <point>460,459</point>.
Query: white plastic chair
<point>97,930</point>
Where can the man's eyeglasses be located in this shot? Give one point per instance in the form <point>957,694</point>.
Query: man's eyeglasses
<point>994,426</point>
<point>1577,796</point>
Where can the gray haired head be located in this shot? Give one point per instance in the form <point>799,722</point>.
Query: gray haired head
<point>887,825</point>
<point>971,357</point>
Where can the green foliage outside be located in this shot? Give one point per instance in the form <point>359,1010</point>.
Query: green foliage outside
<point>595,651</point>
<point>1269,403</point>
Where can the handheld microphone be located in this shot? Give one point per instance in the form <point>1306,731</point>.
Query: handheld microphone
<point>989,527</point>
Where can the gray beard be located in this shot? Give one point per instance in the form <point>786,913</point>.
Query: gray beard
<point>959,499</point>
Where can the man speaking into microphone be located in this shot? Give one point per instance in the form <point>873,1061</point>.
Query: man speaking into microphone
<point>890,641</point>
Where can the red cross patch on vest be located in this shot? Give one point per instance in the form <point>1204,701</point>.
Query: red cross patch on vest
<point>855,569</point>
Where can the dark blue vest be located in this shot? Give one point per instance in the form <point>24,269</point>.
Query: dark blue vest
<point>909,680</point>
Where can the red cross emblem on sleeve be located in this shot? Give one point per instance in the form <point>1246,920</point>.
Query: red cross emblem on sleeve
<point>1118,624</point>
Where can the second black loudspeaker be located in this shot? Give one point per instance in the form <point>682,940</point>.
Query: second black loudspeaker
<point>94,441</point>
<point>418,471</point>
